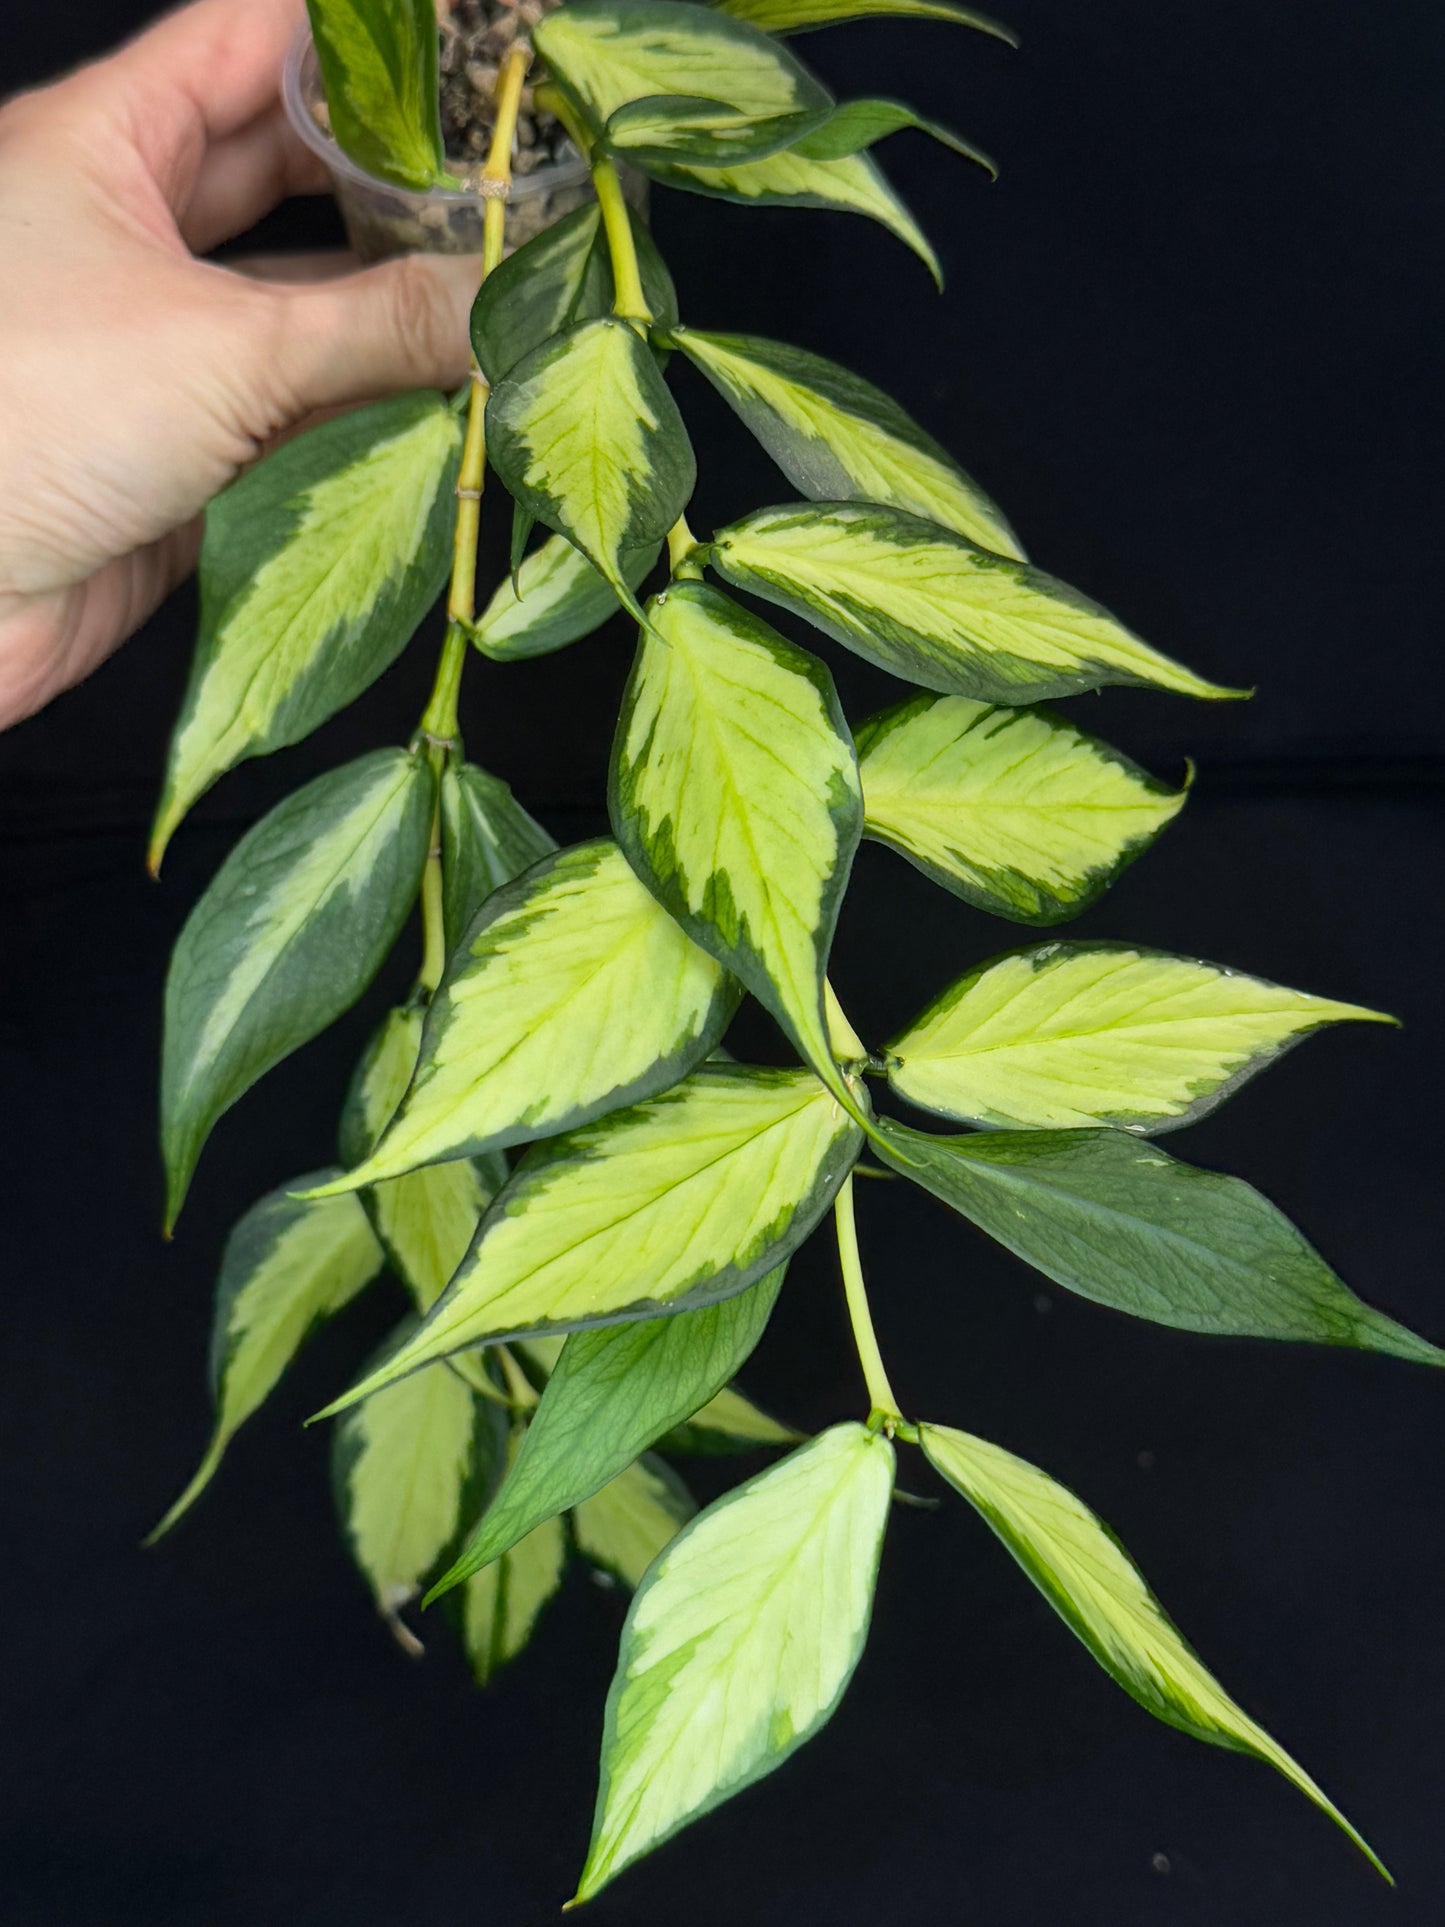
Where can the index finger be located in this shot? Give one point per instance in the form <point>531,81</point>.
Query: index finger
<point>217,59</point>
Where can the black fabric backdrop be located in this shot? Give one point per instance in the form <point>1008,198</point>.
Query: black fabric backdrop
<point>1186,343</point>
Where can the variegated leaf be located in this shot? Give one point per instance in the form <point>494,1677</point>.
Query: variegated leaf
<point>378,62</point>
<point>555,598</point>
<point>677,1202</point>
<point>587,438</point>
<point>487,839</point>
<point>561,277</point>
<point>426,1221</point>
<point>923,603</point>
<point>404,1468</point>
<point>316,568</point>
<point>1099,1593</point>
<point>286,1266</point>
<point>633,70</point>
<point>1119,1221</point>
<point>1080,1034</point>
<point>628,1521</point>
<point>735,794</point>
<point>838,438</point>
<point>745,1632</point>
<point>789,179</point>
<point>801,16</point>
<point>1014,810</point>
<point>501,1603</point>
<point>573,993</point>
<point>290,932</point>
<point>612,1392</point>
<point>860,124</point>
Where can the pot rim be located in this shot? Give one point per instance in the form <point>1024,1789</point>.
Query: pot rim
<point>300,68</point>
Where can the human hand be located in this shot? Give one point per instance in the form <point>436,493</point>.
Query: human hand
<point>138,380</point>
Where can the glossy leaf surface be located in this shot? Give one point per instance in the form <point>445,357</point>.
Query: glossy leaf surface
<point>928,606</point>
<point>614,1391</point>
<point>290,932</point>
<point>606,57</point>
<point>838,438</point>
<point>316,568</point>
<point>573,993</point>
<point>587,438</point>
<point>1073,1035</point>
<point>859,124</point>
<point>487,840</point>
<point>789,179</point>
<point>627,1522</point>
<point>556,598</point>
<point>378,62</point>
<point>559,278</point>
<point>1014,810</point>
<point>740,1643</point>
<point>1119,1221</point>
<point>735,794</point>
<point>1096,1589</point>
<point>286,1266</point>
<point>680,1201</point>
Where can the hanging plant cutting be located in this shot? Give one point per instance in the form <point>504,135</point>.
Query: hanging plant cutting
<point>591,1203</point>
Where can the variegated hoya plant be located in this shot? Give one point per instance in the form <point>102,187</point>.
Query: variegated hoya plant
<point>590,1202</point>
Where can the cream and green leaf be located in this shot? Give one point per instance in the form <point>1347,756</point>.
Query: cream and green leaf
<point>801,16</point>
<point>1117,1220</point>
<point>627,1522</point>
<point>287,1265</point>
<point>609,58</point>
<point>587,438</point>
<point>614,1391</point>
<point>838,438</point>
<point>501,1603</point>
<point>1071,1035</point>
<point>735,794</point>
<point>404,1467</point>
<point>426,1220</point>
<point>926,605</point>
<point>378,61</point>
<point>1014,810</point>
<point>677,1202</point>
<point>740,1643</point>
<point>573,994</point>
<point>559,278</point>
<point>316,568</point>
<point>555,598</point>
<point>855,185</point>
<point>487,840</point>
<point>1100,1594</point>
<point>289,934</point>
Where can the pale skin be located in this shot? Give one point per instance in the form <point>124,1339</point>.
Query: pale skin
<point>138,378</point>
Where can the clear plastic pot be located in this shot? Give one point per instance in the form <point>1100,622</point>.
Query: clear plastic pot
<point>383,220</point>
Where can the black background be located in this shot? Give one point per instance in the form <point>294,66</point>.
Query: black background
<point>1185,343</point>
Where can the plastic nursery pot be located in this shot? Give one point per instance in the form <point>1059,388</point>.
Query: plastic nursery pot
<point>383,220</point>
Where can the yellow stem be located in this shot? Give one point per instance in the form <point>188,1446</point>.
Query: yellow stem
<point>630,302</point>
<point>880,1392</point>
<point>681,545</point>
<point>440,722</point>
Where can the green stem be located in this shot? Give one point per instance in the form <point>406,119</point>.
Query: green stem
<point>682,546</point>
<point>884,1399</point>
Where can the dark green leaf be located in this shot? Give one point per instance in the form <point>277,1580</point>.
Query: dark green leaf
<point>553,598</point>
<point>860,124</point>
<point>1118,1221</point>
<point>801,16</point>
<point>704,132</point>
<point>613,1392</point>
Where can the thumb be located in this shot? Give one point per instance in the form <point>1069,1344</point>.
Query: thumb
<point>401,325</point>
